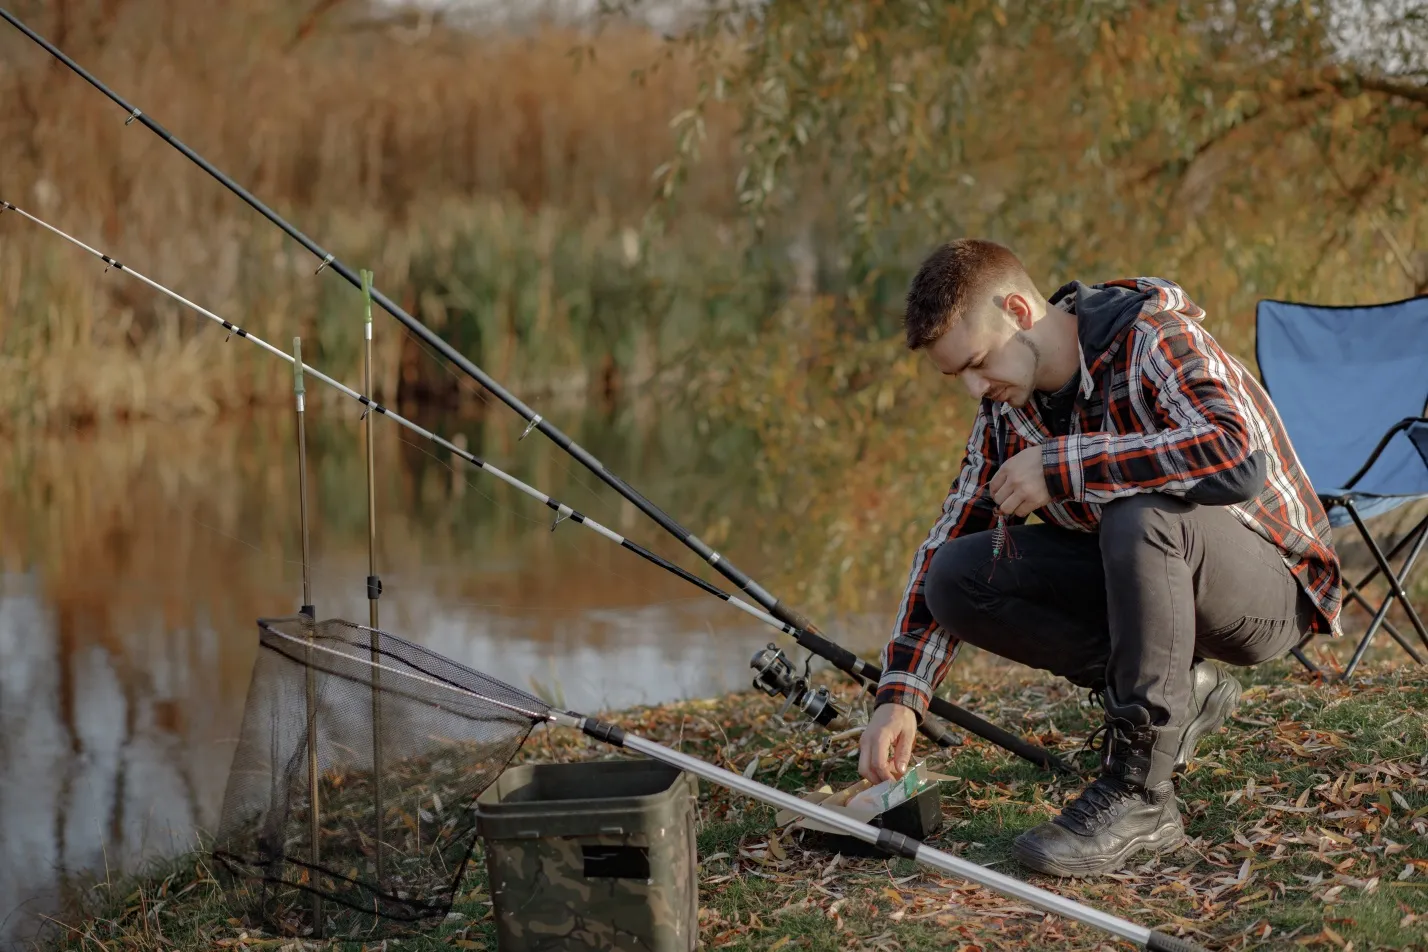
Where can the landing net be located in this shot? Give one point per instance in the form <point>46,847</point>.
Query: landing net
<point>402,740</point>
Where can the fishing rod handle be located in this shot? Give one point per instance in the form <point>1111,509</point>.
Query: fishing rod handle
<point>939,733</point>
<point>1002,738</point>
<point>790,616</point>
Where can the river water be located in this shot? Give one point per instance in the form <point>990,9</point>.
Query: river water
<point>135,559</point>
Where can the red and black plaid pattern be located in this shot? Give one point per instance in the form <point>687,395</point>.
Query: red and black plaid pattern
<point>1163,408</point>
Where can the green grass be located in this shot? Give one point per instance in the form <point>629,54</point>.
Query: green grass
<point>1321,788</point>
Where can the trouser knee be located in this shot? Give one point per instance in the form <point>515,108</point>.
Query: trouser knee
<point>955,591</point>
<point>1132,522</point>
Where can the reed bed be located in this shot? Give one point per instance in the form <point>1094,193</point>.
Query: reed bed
<point>493,181</point>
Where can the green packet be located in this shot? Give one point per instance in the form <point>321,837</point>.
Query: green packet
<point>882,797</point>
<point>912,783</point>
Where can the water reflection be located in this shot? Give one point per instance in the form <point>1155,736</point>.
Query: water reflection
<point>134,561</point>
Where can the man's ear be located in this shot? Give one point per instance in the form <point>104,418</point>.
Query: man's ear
<point>1018,308</point>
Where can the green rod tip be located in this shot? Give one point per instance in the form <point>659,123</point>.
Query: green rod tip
<point>297,365</point>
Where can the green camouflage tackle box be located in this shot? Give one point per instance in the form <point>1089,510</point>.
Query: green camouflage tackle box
<point>592,856</point>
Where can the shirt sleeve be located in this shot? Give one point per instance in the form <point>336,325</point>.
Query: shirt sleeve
<point>1205,431</point>
<point>919,653</point>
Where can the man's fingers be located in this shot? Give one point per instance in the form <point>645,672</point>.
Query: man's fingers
<point>873,756</point>
<point>1009,504</point>
<point>1003,492</point>
<point>999,477</point>
<point>902,753</point>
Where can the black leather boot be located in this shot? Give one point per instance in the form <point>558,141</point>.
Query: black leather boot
<point>1215,696</point>
<point>1129,808</point>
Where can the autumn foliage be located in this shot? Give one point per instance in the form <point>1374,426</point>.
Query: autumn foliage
<point>790,161</point>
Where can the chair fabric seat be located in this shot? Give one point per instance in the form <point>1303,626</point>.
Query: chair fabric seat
<point>1345,380</point>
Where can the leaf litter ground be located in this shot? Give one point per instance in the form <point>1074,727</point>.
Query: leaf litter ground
<point>1307,820</point>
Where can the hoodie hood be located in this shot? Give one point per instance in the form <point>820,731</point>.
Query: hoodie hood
<point>1104,312</point>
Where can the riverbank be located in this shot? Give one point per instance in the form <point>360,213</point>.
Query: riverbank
<point>1308,825</point>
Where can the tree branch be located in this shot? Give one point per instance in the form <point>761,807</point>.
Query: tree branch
<point>1333,79</point>
<point>1299,95</point>
<point>1377,84</point>
<point>1358,196</point>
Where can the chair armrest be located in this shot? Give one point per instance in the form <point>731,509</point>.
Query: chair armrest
<point>1418,436</point>
<point>1393,431</point>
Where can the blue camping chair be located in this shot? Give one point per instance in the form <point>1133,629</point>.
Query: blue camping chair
<point>1351,384</point>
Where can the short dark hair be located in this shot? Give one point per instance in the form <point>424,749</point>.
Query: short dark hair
<point>954,275</point>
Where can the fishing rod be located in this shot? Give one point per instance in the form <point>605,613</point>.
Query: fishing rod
<point>774,673</point>
<point>817,703</point>
<point>806,633</point>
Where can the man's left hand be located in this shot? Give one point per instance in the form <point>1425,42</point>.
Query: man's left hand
<point>1019,487</point>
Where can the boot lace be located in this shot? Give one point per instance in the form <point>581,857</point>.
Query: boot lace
<point>1111,733</point>
<point>1101,797</point>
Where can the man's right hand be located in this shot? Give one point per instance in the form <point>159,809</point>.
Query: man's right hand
<point>892,726</point>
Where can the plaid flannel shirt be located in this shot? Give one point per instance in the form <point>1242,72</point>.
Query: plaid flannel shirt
<point>1180,409</point>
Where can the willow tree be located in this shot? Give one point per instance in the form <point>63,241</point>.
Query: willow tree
<point>1244,148</point>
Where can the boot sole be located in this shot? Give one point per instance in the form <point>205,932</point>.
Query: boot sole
<point>1170,836</point>
<point>1223,700</point>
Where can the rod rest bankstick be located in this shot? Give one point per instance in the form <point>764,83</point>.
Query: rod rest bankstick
<point>812,639</point>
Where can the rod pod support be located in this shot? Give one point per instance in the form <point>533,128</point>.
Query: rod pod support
<point>313,776</point>
<point>374,582</point>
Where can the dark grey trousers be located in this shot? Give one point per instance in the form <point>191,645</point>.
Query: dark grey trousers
<point>1162,585</point>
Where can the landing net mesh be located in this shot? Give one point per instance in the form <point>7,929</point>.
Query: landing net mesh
<point>405,741</point>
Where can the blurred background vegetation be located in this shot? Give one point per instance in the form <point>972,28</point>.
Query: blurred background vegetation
<point>713,205</point>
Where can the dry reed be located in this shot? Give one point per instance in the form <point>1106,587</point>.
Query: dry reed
<point>381,145</point>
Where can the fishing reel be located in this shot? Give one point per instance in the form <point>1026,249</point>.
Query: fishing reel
<point>774,676</point>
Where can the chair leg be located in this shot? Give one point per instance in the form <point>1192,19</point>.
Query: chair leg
<point>1395,583</point>
<point>1387,625</point>
<point>1298,652</point>
<point>1352,591</point>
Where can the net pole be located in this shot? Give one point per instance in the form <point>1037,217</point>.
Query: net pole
<point>893,842</point>
<point>374,588</point>
<point>315,824</point>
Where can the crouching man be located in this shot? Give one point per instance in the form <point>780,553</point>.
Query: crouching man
<point>1176,527</point>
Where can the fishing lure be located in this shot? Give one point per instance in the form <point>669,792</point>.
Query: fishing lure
<point>1002,542</point>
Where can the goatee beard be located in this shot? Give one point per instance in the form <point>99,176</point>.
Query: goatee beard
<point>1023,339</point>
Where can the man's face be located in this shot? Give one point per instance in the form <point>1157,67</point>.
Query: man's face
<point>990,355</point>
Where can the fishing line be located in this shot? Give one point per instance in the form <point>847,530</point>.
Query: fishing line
<point>596,565</point>
<point>563,512</point>
<point>581,554</point>
<point>803,630</point>
<point>570,546</point>
<point>464,384</point>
